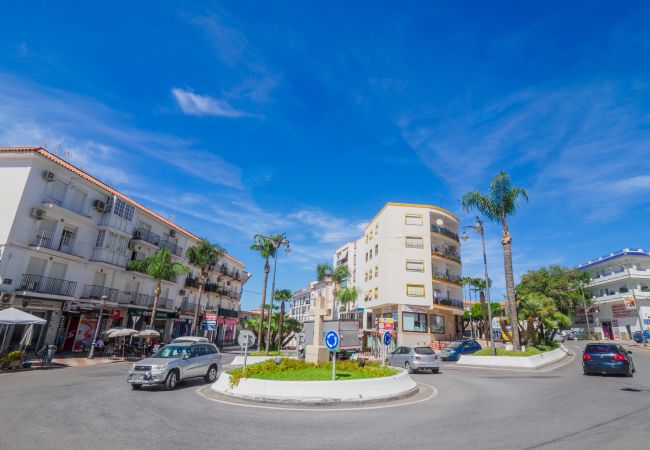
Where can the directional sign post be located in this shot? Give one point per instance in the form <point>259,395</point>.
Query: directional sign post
<point>332,341</point>
<point>246,339</point>
<point>386,344</point>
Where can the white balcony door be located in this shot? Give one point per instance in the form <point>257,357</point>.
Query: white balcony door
<point>132,286</point>
<point>99,279</point>
<point>67,239</point>
<point>45,233</point>
<point>36,266</point>
<point>56,192</point>
<point>58,270</point>
<point>78,200</point>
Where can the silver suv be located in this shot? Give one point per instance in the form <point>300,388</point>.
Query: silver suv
<point>176,362</point>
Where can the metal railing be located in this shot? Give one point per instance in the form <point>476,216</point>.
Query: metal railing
<point>146,235</point>
<point>46,285</point>
<point>173,247</point>
<point>444,232</point>
<point>188,307</point>
<point>443,276</point>
<point>97,292</point>
<point>44,239</point>
<point>442,251</point>
<point>449,302</point>
<point>192,282</point>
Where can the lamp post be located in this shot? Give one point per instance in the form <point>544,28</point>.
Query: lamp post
<point>276,245</point>
<point>479,229</point>
<point>584,306</point>
<point>102,303</point>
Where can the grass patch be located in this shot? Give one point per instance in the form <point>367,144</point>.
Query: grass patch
<point>270,354</point>
<point>298,370</point>
<point>530,351</point>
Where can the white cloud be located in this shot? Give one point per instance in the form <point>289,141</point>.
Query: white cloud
<point>203,105</point>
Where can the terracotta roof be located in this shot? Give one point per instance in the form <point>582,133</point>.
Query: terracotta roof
<point>77,171</point>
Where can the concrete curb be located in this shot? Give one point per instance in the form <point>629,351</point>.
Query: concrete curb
<point>319,392</point>
<point>239,360</point>
<point>516,362</point>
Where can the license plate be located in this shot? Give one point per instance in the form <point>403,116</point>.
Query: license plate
<point>137,378</point>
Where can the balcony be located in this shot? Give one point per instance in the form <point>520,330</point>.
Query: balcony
<point>192,283</point>
<point>173,248</point>
<point>104,255</point>
<point>445,253</point>
<point>188,308</point>
<point>212,287</point>
<point>44,239</point>
<point>447,278</point>
<point>444,232</point>
<point>164,303</point>
<point>97,292</point>
<point>45,285</point>
<point>449,302</point>
<point>145,235</point>
<point>58,199</point>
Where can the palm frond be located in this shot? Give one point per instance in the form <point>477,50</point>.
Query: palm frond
<point>474,200</point>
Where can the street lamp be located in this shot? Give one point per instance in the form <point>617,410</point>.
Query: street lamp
<point>584,306</point>
<point>277,243</point>
<point>479,229</point>
<point>102,303</point>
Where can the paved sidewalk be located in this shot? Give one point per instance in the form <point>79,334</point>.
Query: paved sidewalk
<point>77,360</point>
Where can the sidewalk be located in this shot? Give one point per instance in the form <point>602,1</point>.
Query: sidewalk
<point>76,360</point>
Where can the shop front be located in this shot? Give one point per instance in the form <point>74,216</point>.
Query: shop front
<point>42,335</point>
<point>77,330</point>
<point>182,326</point>
<point>227,322</point>
<point>163,324</point>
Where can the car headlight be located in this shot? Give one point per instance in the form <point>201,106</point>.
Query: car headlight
<point>159,367</point>
<point>132,366</point>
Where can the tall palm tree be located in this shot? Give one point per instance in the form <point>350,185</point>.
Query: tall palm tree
<point>501,201</point>
<point>323,270</point>
<point>347,295</point>
<point>282,295</point>
<point>204,255</point>
<point>338,276</point>
<point>266,250</point>
<point>158,266</point>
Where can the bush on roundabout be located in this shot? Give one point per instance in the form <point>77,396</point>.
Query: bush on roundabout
<point>298,370</point>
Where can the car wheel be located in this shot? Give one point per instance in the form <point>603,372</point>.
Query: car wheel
<point>136,387</point>
<point>408,368</point>
<point>436,370</point>
<point>630,372</point>
<point>172,380</point>
<point>211,376</point>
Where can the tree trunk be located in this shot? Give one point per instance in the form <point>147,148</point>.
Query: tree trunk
<point>506,240</point>
<point>483,314</point>
<point>280,325</point>
<point>154,308</point>
<point>202,280</point>
<point>260,332</point>
<point>530,331</point>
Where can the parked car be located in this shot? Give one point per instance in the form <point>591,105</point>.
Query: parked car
<point>604,358</point>
<point>188,339</point>
<point>176,362</point>
<point>456,348</point>
<point>414,358</point>
<point>637,336</point>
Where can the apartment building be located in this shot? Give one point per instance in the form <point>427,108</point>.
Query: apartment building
<point>66,239</point>
<point>303,299</point>
<point>407,268</point>
<point>619,284</point>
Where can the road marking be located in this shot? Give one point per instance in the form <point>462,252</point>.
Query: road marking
<point>434,393</point>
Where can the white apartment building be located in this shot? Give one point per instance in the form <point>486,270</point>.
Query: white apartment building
<point>616,279</point>
<point>302,299</point>
<point>66,239</point>
<point>407,269</point>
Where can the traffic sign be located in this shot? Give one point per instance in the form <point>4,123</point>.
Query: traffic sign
<point>332,340</point>
<point>246,338</point>
<point>387,338</point>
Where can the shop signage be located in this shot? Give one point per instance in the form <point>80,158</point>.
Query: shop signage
<point>211,326</point>
<point>629,303</point>
<point>210,316</point>
<point>415,308</point>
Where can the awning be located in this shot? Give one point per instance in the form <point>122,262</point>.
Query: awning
<point>13,316</point>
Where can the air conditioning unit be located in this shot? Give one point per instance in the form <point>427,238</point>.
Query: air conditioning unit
<point>172,233</point>
<point>48,176</point>
<point>181,292</point>
<point>99,206</point>
<point>38,214</point>
<point>5,298</point>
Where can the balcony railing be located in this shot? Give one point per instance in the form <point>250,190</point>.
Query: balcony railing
<point>101,254</point>
<point>187,307</point>
<point>45,285</point>
<point>212,287</point>
<point>164,302</point>
<point>44,239</point>
<point>443,276</point>
<point>97,292</point>
<point>192,282</point>
<point>55,197</point>
<point>444,252</point>
<point>449,302</point>
<point>173,247</point>
<point>146,235</point>
<point>444,232</point>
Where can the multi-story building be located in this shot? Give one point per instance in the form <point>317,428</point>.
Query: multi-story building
<point>303,299</point>
<point>407,269</point>
<point>66,239</point>
<point>619,284</point>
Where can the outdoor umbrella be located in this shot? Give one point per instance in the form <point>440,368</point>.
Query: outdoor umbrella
<point>119,332</point>
<point>148,333</point>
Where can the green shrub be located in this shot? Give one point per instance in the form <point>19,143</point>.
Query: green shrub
<point>16,355</point>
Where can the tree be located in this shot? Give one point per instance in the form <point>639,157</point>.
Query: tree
<point>541,317</point>
<point>337,276</point>
<point>501,201</point>
<point>291,326</point>
<point>282,295</point>
<point>323,270</point>
<point>561,284</point>
<point>204,255</point>
<point>264,246</point>
<point>347,295</point>
<point>158,266</point>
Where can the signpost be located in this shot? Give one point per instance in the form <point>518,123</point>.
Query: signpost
<point>246,339</point>
<point>386,339</point>
<point>332,341</point>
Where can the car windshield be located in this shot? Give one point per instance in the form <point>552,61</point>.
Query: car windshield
<point>600,349</point>
<point>423,351</point>
<point>455,344</point>
<point>171,351</point>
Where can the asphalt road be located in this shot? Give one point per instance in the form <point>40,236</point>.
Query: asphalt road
<point>94,407</point>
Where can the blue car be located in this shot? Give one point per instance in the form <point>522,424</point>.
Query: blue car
<point>607,359</point>
<point>456,348</point>
<point>637,336</point>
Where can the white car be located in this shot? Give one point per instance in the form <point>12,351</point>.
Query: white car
<point>190,339</point>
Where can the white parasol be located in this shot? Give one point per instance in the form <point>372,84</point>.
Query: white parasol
<point>148,333</point>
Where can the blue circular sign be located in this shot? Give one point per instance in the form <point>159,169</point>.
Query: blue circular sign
<point>332,340</point>
<point>387,338</point>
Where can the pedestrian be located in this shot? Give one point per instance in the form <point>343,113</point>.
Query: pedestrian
<point>60,341</point>
<point>100,346</point>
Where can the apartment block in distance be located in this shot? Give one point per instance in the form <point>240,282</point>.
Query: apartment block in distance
<point>407,268</point>
<point>66,239</point>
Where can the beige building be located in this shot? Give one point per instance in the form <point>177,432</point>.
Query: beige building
<point>407,269</point>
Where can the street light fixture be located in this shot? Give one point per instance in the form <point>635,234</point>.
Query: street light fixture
<point>479,229</point>
<point>102,303</point>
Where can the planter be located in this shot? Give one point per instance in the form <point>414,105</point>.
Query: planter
<point>239,360</point>
<point>516,362</point>
<point>318,392</point>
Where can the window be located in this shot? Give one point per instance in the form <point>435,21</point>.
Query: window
<point>365,278</point>
<point>370,274</point>
<point>414,322</point>
<point>366,256</point>
<point>414,266</point>
<point>437,324</point>
<point>413,219</point>
<point>376,293</point>
<point>376,249</point>
<point>376,271</point>
<point>414,242</point>
<point>122,209</point>
<point>100,238</point>
<point>376,229</point>
<point>415,290</point>
<point>370,253</point>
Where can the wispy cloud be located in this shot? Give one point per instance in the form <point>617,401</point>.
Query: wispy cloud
<point>203,105</point>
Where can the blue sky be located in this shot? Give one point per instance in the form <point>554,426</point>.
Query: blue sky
<point>306,117</point>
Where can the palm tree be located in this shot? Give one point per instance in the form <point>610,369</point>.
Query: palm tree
<point>263,246</point>
<point>338,276</point>
<point>158,266</point>
<point>501,201</point>
<point>204,255</point>
<point>283,295</point>
<point>323,270</point>
<point>478,285</point>
<point>346,296</point>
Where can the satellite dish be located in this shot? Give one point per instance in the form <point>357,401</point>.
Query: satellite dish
<point>439,222</point>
